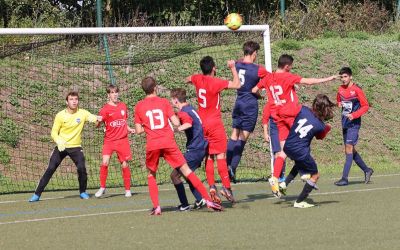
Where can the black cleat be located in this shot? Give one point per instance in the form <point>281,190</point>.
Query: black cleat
<point>342,182</point>
<point>368,175</point>
<point>232,175</point>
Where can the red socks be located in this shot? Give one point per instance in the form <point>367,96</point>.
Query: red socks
<point>126,176</point>
<point>210,172</point>
<point>153,190</point>
<point>223,173</point>
<point>103,175</point>
<point>278,165</point>
<point>198,185</point>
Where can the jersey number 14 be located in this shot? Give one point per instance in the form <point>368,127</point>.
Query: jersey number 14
<point>301,129</point>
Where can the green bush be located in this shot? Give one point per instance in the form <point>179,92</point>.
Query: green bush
<point>360,35</point>
<point>10,133</point>
<point>289,44</point>
<point>5,158</point>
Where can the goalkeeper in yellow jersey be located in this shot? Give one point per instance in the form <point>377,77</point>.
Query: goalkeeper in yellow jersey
<point>66,132</point>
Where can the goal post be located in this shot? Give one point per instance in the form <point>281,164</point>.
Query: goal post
<point>38,66</point>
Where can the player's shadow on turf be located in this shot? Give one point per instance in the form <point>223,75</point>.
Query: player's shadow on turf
<point>254,197</point>
<point>289,200</point>
<point>355,182</point>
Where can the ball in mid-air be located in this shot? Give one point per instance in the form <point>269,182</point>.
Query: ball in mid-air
<point>233,21</point>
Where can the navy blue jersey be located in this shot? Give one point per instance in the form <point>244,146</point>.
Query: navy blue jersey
<point>305,127</point>
<point>353,101</point>
<point>194,135</point>
<point>249,75</point>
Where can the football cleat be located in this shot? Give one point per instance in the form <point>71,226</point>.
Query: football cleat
<point>100,192</point>
<point>34,198</point>
<point>200,204</point>
<point>128,193</point>
<point>273,181</point>
<point>368,175</point>
<point>182,208</point>
<point>227,193</point>
<point>282,188</point>
<point>214,194</point>
<point>156,211</point>
<point>84,195</point>
<point>303,204</point>
<point>214,206</point>
<point>342,182</point>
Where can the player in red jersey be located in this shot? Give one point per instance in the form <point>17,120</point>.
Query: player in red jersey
<point>354,104</point>
<point>153,115</point>
<point>115,115</point>
<point>282,98</point>
<point>208,90</point>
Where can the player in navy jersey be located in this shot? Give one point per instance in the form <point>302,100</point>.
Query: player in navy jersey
<point>354,104</point>
<point>196,146</point>
<point>307,124</point>
<point>245,111</point>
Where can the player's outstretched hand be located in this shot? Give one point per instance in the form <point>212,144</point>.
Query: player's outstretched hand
<point>334,77</point>
<point>131,130</point>
<point>99,118</point>
<point>61,144</point>
<point>231,64</point>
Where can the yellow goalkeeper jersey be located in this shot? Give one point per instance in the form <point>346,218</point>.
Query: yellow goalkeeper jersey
<point>69,126</point>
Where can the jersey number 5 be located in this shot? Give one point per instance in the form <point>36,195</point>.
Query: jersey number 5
<point>202,97</point>
<point>156,114</point>
<point>303,130</point>
<point>241,74</point>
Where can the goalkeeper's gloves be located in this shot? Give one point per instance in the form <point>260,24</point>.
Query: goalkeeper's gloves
<point>61,144</point>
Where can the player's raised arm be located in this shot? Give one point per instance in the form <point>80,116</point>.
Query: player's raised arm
<point>235,83</point>
<point>311,81</point>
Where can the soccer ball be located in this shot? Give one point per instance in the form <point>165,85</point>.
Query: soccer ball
<point>233,21</point>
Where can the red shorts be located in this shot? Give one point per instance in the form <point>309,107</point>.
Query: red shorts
<point>284,126</point>
<point>121,147</point>
<point>171,155</point>
<point>216,136</point>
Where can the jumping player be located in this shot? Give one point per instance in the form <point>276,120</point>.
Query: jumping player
<point>282,98</point>
<point>208,89</point>
<point>153,116</point>
<point>245,111</point>
<point>354,104</point>
<point>115,115</point>
<point>196,146</point>
<point>307,124</point>
<point>66,133</point>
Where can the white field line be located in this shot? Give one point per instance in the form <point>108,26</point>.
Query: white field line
<point>73,216</point>
<point>144,210</point>
<point>169,189</point>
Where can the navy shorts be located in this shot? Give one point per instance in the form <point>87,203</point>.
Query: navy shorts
<point>307,165</point>
<point>350,135</point>
<point>244,116</point>
<point>274,136</point>
<point>194,158</point>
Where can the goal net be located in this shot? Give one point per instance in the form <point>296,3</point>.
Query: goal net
<point>39,66</point>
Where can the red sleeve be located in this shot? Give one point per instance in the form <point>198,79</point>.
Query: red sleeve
<point>266,114</point>
<point>294,79</point>
<point>184,118</point>
<point>262,72</point>
<point>193,79</point>
<point>338,99</point>
<point>137,117</point>
<point>323,134</point>
<point>364,104</point>
<point>262,83</point>
<point>219,84</point>
<point>170,110</point>
<point>102,113</point>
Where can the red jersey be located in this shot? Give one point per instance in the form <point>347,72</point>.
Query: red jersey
<point>153,114</point>
<point>115,121</point>
<point>208,89</point>
<point>280,90</point>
